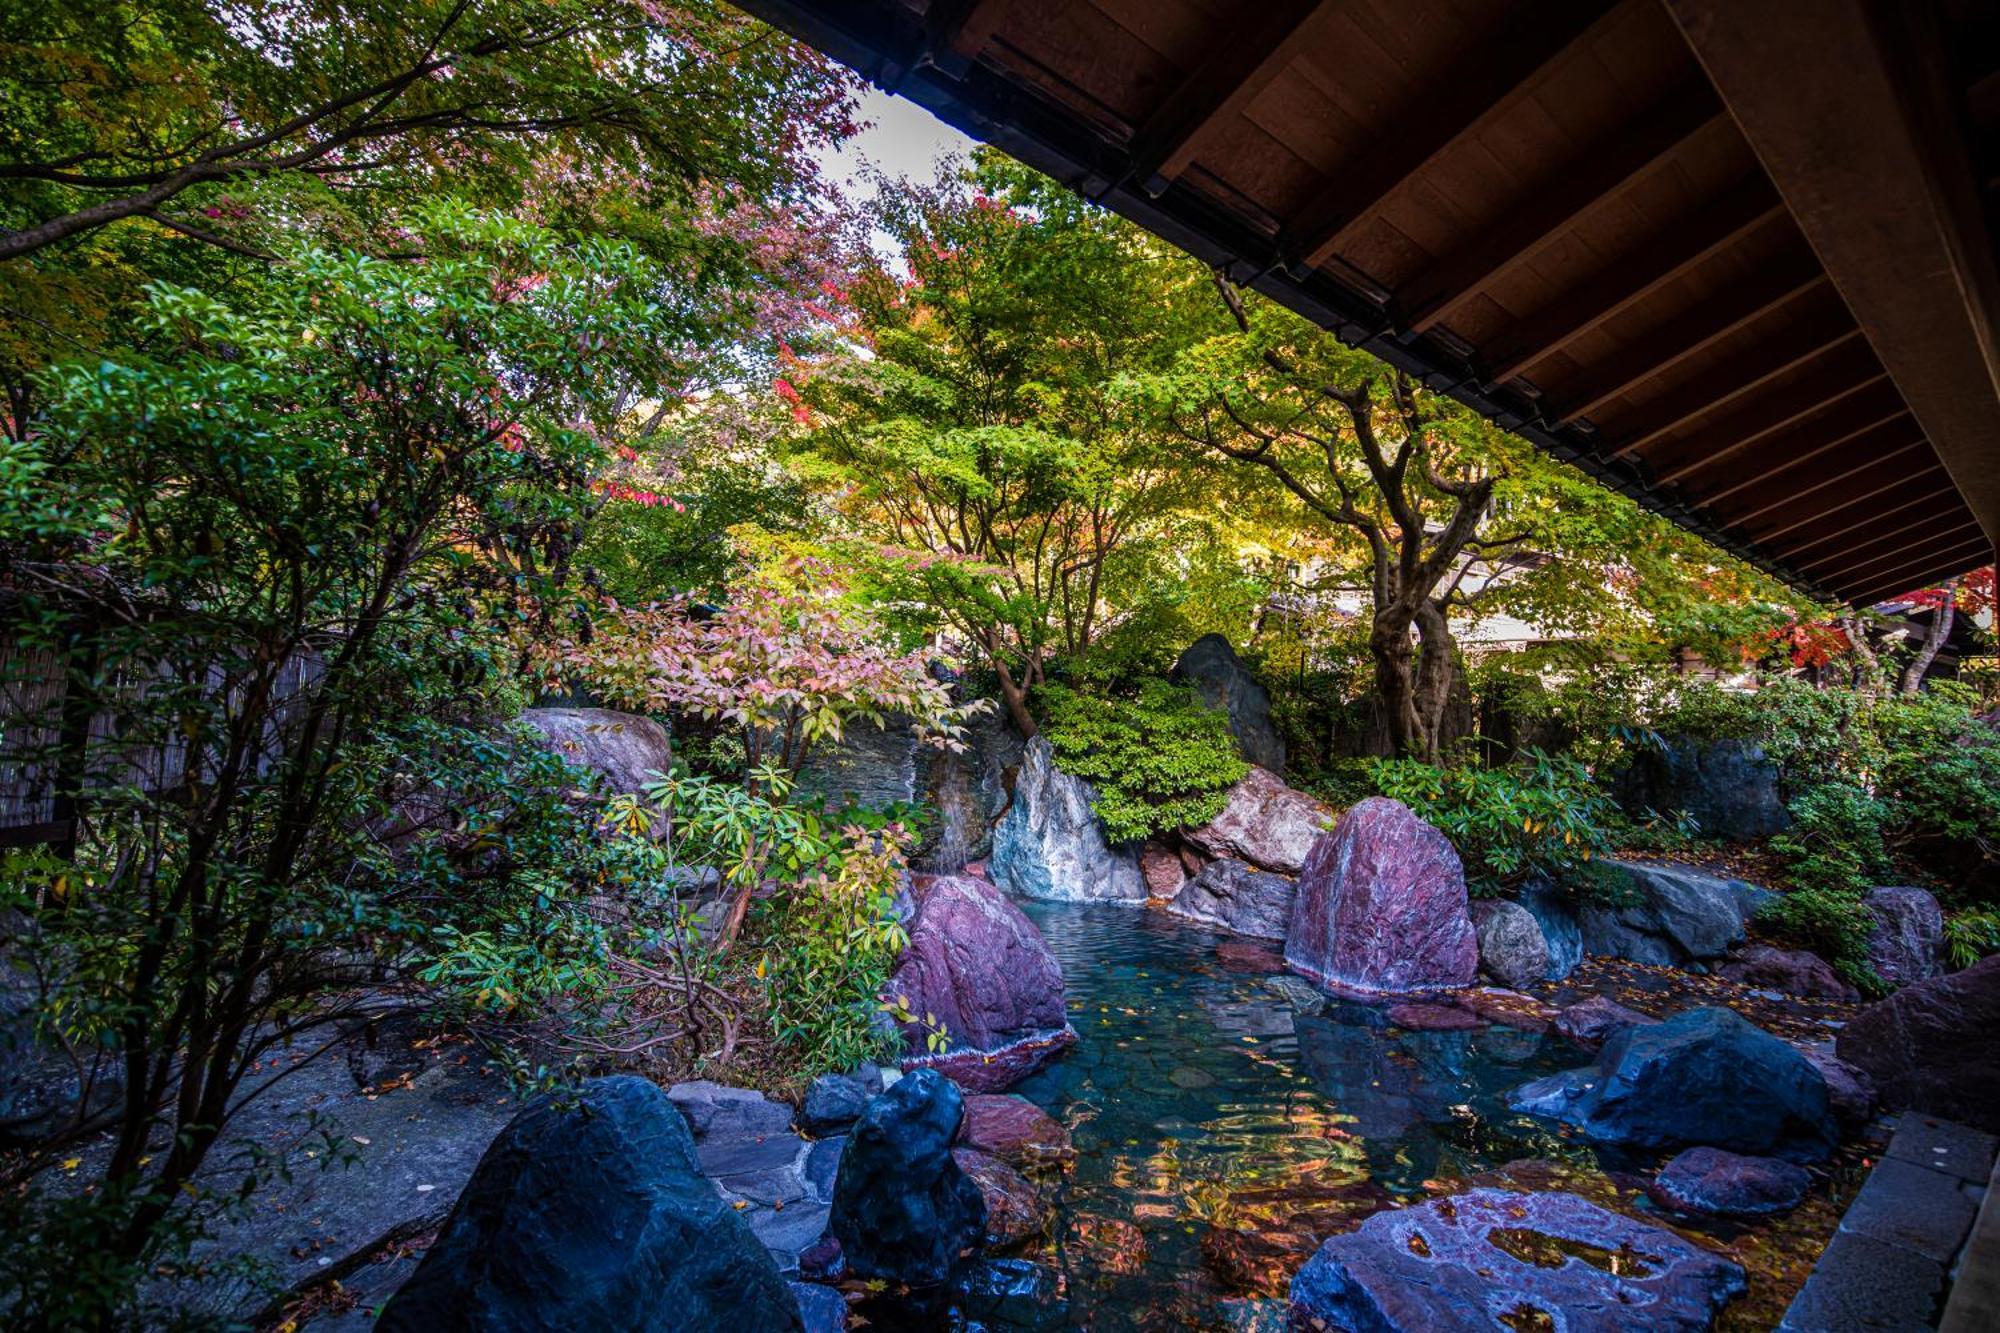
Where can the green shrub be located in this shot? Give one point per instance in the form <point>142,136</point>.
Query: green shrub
<point>1829,921</point>
<point>1545,816</point>
<point>1836,839</point>
<point>1159,761</point>
<point>1971,936</point>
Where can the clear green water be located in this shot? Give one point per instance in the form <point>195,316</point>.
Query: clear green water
<point>1220,1134</point>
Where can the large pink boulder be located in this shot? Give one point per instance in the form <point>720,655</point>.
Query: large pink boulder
<point>1382,906</point>
<point>1265,823</point>
<point>981,970</point>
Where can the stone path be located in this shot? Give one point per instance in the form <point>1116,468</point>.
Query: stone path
<point>1889,1263</point>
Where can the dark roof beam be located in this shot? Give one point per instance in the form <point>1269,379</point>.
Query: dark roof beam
<point>1868,466</point>
<point>1891,430</point>
<point>1627,155</point>
<point>1932,480</point>
<point>1715,227</point>
<point>1948,539</point>
<point>1753,369</point>
<point>1495,74</point>
<point>1224,86</point>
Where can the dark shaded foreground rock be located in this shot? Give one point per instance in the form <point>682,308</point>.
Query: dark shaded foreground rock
<point>625,750</point>
<point>1706,1076</point>
<point>1382,906</point>
<point>1050,845</point>
<point>1512,949</point>
<point>1709,1180</point>
<point>902,1207</point>
<point>593,1216</point>
<point>1792,971</point>
<point>980,967</point>
<point>1675,915</point>
<point>1473,1260</point>
<point>1266,823</point>
<point>1906,943</point>
<point>1238,898</point>
<point>1590,1023</point>
<point>1219,676</point>
<point>1934,1046</point>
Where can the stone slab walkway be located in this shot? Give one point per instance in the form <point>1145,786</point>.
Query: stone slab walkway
<point>1888,1265</point>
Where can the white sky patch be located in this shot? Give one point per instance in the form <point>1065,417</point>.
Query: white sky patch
<point>903,140</point>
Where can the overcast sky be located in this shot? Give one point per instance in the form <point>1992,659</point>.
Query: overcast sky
<point>902,139</point>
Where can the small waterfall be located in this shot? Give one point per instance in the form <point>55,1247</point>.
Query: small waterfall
<point>960,830</point>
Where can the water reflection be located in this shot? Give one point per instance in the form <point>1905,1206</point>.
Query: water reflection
<point>1223,1127</point>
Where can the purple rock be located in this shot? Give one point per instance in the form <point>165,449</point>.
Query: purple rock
<point>1907,942</point>
<point>1709,1180</point>
<point>1434,1018</point>
<point>1935,1046</point>
<point>1849,1091</point>
<point>1590,1022</point>
<point>1793,971</point>
<point>1237,897</point>
<point>1382,906</point>
<point>1265,823</point>
<point>980,967</point>
<point>1473,1260</point>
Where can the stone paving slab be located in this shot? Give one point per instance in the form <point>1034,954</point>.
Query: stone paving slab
<point>1943,1146</point>
<point>1921,1210</point>
<point>1863,1284</point>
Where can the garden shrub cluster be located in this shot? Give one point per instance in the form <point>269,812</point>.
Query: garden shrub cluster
<point>1543,816</point>
<point>1158,759</point>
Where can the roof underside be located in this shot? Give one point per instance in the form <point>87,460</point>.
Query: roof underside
<point>1732,260</point>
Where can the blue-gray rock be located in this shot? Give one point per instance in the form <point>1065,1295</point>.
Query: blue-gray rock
<point>902,1208</point>
<point>1555,912</point>
<point>821,1308</point>
<point>624,750</point>
<point>1512,950</point>
<point>832,1103</point>
<point>1050,845</point>
<point>1706,1076</point>
<point>1460,1263</point>
<point>1239,898</point>
<point>1730,787</point>
<point>1011,1294</point>
<point>1906,943</point>
<point>1223,682</point>
<point>593,1215</point>
<point>1727,1184</point>
<point>1675,916</point>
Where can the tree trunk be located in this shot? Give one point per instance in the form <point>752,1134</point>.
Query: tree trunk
<point>1396,680</point>
<point>1015,697</point>
<point>1437,672</point>
<point>1934,639</point>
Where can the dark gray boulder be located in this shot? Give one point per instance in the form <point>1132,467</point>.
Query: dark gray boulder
<point>1906,943</point>
<point>625,750</point>
<point>1555,912</point>
<point>902,1208</point>
<point>832,1103</point>
<point>1727,1184</point>
<point>1674,916</point>
<point>1706,1076</point>
<point>1223,682</point>
<point>1512,949</point>
<point>1730,787</point>
<point>593,1215</point>
<point>1239,898</point>
<point>1460,1263</point>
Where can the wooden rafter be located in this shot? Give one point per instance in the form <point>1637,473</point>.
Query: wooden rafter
<point>1632,152</point>
<point>1869,438</point>
<point>1916,572</point>
<point>1768,416</point>
<point>1731,381</point>
<point>1499,72</point>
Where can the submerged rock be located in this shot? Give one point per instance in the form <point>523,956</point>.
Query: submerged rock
<point>1382,906</point>
<point>1676,916</point>
<point>1906,943</point>
<point>1218,675</point>
<point>593,1216</point>
<point>982,969</point>
<point>1511,948</point>
<point>1003,1294</point>
<point>1266,823</point>
<point>903,1209</point>
<point>1049,844</point>
<point>1792,971</point>
<point>1013,1129</point>
<point>1491,1258</point>
<point>1015,1209</point>
<point>1706,1076</point>
<point>1935,1046</point>
<point>1709,1180</point>
<point>1590,1023</point>
<point>1238,898</point>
